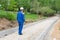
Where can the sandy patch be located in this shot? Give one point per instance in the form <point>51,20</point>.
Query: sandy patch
<point>56,32</point>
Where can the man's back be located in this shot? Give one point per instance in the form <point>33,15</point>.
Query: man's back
<point>20,16</point>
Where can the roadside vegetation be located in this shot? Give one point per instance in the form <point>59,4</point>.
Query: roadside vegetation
<point>8,15</point>
<point>12,15</point>
<point>48,7</point>
<point>34,9</point>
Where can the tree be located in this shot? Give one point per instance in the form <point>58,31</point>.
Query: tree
<point>57,5</point>
<point>35,6</point>
<point>12,5</point>
<point>24,3</point>
<point>29,5</point>
<point>4,4</point>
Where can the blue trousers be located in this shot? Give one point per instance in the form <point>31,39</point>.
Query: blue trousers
<point>20,28</point>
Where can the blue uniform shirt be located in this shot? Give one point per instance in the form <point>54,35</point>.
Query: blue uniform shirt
<point>20,17</point>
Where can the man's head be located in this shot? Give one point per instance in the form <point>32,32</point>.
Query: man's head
<point>21,8</point>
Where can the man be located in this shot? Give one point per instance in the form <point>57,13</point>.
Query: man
<point>20,19</point>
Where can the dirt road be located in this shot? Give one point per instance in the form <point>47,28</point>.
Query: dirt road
<point>33,32</point>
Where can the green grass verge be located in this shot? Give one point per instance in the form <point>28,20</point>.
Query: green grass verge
<point>12,15</point>
<point>32,17</point>
<point>8,15</point>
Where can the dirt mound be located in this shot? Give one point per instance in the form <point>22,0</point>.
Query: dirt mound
<point>5,24</point>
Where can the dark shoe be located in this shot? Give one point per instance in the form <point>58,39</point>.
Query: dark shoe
<point>20,34</point>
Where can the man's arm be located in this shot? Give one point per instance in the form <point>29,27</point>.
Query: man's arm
<point>23,17</point>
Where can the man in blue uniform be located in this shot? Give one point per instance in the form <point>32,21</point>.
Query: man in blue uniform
<point>20,19</point>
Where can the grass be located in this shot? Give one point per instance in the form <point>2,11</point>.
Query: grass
<point>32,17</point>
<point>8,15</point>
<point>12,16</point>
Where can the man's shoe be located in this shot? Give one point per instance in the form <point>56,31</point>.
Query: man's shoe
<point>20,34</point>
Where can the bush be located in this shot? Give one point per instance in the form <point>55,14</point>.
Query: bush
<point>31,16</point>
<point>11,16</point>
<point>46,11</point>
<point>2,14</point>
<point>8,15</point>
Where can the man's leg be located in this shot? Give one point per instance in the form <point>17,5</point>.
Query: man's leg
<point>20,28</point>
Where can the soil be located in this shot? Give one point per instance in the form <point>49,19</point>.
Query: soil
<point>5,24</point>
<point>56,32</point>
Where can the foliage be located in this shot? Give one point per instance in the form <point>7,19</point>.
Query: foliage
<point>14,4</point>
<point>2,14</point>
<point>12,15</point>
<point>35,6</point>
<point>8,15</point>
<point>47,11</point>
<point>24,3</point>
<point>32,16</point>
<point>32,6</point>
